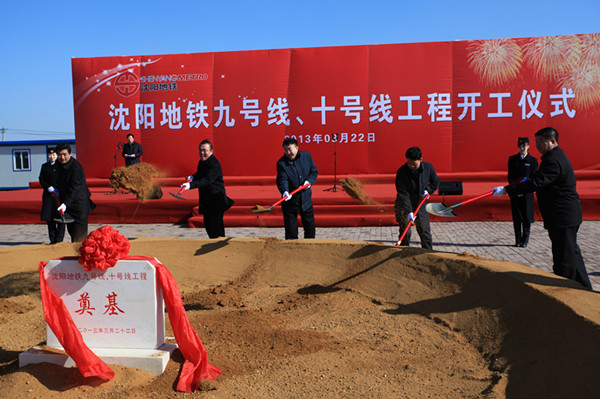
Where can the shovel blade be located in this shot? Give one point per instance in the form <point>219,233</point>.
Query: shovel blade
<point>439,209</point>
<point>64,219</point>
<point>178,196</point>
<point>260,209</point>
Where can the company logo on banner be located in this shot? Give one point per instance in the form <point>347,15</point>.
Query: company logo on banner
<point>127,84</point>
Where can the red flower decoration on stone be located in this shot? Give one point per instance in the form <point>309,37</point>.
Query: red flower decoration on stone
<point>103,248</point>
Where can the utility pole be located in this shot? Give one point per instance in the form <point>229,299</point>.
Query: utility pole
<point>3,131</point>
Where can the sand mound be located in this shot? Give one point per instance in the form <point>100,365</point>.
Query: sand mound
<point>139,179</point>
<point>322,318</point>
<point>354,188</point>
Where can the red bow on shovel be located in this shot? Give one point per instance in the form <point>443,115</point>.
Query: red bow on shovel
<point>181,190</point>
<point>260,209</point>
<point>412,220</point>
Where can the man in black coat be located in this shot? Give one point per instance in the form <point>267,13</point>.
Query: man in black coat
<point>132,151</point>
<point>414,180</point>
<point>559,204</point>
<point>522,165</point>
<point>74,193</point>
<point>212,200</point>
<point>49,180</point>
<point>294,169</point>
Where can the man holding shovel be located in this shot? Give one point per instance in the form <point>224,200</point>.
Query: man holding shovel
<point>294,169</point>
<point>555,186</point>
<point>212,200</point>
<point>74,193</point>
<point>414,181</point>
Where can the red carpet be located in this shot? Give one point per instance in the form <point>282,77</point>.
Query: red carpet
<point>331,208</point>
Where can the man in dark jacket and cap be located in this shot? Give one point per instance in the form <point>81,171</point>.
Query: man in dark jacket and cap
<point>294,169</point>
<point>414,180</point>
<point>559,204</point>
<point>212,199</point>
<point>520,166</point>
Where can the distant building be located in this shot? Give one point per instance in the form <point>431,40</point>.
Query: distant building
<point>21,161</point>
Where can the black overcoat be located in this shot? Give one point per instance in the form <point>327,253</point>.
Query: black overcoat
<point>134,148</point>
<point>555,186</point>
<point>409,190</point>
<point>208,179</point>
<point>73,189</point>
<point>292,173</point>
<point>49,178</point>
<point>519,168</point>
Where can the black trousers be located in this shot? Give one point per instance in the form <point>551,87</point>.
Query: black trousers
<point>421,223</point>
<point>78,230</point>
<point>290,221</point>
<point>213,224</point>
<point>56,231</point>
<point>566,255</point>
<point>521,223</point>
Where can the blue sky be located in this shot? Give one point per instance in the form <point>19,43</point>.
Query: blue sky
<point>39,38</point>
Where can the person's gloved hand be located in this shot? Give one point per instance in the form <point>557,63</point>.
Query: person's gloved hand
<point>62,208</point>
<point>425,194</point>
<point>190,178</point>
<point>305,183</point>
<point>411,216</point>
<point>498,191</point>
<point>185,186</point>
<point>287,196</point>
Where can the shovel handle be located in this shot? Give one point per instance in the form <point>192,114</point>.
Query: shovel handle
<point>411,222</point>
<point>473,199</point>
<point>292,193</point>
<point>56,197</point>
<point>181,190</point>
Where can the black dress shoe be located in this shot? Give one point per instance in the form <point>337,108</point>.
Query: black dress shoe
<point>517,244</point>
<point>524,245</point>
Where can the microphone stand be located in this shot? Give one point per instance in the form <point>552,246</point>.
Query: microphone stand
<point>115,161</point>
<point>334,188</point>
<point>116,153</point>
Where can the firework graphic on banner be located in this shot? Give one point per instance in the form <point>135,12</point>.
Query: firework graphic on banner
<point>571,62</point>
<point>584,76</point>
<point>551,56</point>
<point>496,61</point>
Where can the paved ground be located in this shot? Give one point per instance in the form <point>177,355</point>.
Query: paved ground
<point>492,240</point>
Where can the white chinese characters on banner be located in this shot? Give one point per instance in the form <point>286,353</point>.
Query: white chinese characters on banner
<point>381,109</point>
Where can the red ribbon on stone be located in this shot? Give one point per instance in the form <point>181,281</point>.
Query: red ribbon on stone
<point>102,249</point>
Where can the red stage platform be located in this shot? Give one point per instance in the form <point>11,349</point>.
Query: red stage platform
<point>331,208</point>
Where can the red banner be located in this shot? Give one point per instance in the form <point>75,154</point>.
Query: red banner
<point>464,103</point>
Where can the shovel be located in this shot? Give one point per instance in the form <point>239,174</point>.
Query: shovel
<point>260,209</point>
<point>411,222</point>
<point>181,190</point>
<point>441,209</point>
<point>64,218</point>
